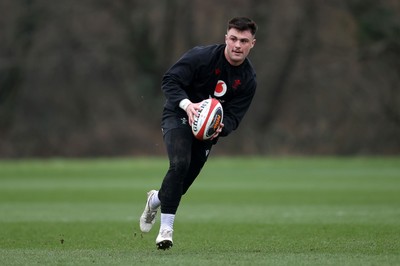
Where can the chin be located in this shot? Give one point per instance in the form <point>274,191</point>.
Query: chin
<point>237,59</point>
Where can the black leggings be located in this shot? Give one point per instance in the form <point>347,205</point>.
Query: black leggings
<point>187,155</point>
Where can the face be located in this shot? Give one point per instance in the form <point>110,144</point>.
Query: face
<point>238,46</point>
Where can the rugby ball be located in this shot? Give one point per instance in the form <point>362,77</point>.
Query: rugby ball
<point>209,118</point>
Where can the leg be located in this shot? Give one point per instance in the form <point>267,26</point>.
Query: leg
<point>178,142</point>
<point>200,152</point>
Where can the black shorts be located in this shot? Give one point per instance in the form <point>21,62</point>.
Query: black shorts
<point>171,120</point>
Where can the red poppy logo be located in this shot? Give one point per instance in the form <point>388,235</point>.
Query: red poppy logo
<point>236,83</point>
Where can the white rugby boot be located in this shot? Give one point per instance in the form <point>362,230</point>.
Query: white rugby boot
<point>164,239</point>
<point>148,217</point>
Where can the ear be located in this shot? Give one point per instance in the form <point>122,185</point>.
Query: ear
<point>226,38</point>
<point>253,43</point>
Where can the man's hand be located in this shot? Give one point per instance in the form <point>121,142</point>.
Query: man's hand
<point>192,111</point>
<point>219,129</point>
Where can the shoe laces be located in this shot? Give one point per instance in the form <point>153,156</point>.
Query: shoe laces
<point>150,216</point>
<point>166,233</point>
<point>151,213</point>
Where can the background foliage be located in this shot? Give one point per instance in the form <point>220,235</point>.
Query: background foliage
<point>82,78</point>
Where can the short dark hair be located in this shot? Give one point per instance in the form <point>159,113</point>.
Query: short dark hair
<point>243,24</point>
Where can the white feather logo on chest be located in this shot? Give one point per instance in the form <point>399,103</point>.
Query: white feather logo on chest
<point>220,88</point>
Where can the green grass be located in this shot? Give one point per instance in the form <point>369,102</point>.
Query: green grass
<point>240,211</point>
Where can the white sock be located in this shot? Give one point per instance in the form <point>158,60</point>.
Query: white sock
<point>167,221</point>
<point>155,201</point>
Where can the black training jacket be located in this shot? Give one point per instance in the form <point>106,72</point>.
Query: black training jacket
<point>195,76</point>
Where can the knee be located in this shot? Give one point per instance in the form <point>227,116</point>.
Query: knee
<point>179,166</point>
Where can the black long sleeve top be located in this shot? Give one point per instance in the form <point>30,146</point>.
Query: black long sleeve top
<point>204,72</point>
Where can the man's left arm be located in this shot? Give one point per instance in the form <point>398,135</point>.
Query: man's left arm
<point>235,110</point>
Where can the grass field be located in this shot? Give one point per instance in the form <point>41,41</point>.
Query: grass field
<point>240,211</point>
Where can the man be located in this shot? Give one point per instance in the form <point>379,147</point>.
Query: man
<point>220,71</point>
